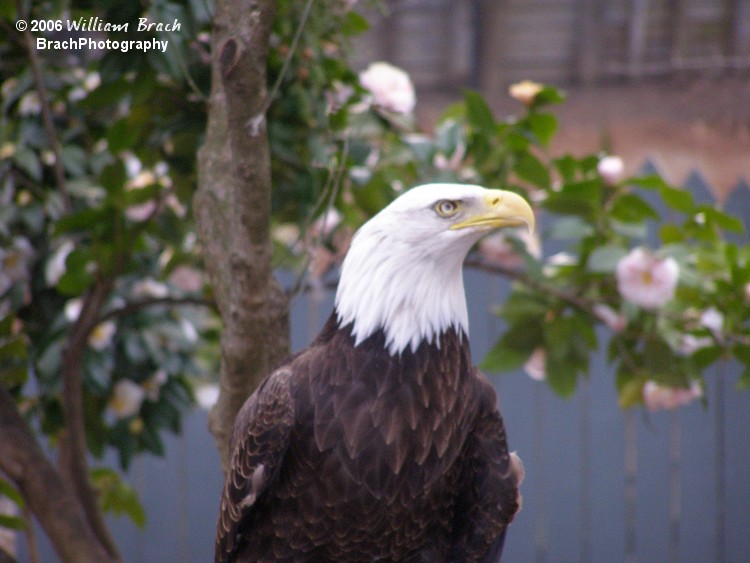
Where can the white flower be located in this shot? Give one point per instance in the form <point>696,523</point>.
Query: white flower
<point>73,309</point>
<point>206,396</point>
<point>7,87</point>
<point>92,81</point>
<point>286,234</point>
<point>690,343</point>
<point>30,104</point>
<point>746,292</point>
<point>56,265</point>
<point>615,321</point>
<point>712,319</point>
<point>14,261</point>
<point>562,259</point>
<point>76,94</point>
<point>659,397</point>
<point>127,398</point>
<point>132,164</point>
<point>536,365</point>
<point>141,180</point>
<point>5,282</point>
<point>153,384</point>
<point>7,150</point>
<point>337,96</point>
<point>645,280</point>
<point>48,157</point>
<point>610,168</point>
<point>4,306</point>
<point>391,87</point>
<point>141,211</point>
<point>188,330</point>
<point>101,336</point>
<point>150,288</point>
<point>326,223</point>
<point>452,164</point>
<point>525,91</point>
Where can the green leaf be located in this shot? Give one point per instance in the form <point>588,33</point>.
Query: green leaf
<point>562,377</point>
<point>116,496</point>
<point>151,441</point>
<point>122,135</point>
<point>543,125</point>
<point>577,198</point>
<point>530,168</point>
<point>478,112</point>
<point>679,200</point>
<point>354,24</point>
<point>722,220</point>
<point>84,220</point>
<point>630,389</point>
<point>629,208</point>
<point>670,234</point>
<point>567,166</point>
<point>649,181</point>
<point>77,277</point>
<point>27,160</point>
<point>604,259</point>
<point>570,228</point>
<point>74,160</point>
<point>523,307</point>
<point>549,95</point>
<point>501,358</point>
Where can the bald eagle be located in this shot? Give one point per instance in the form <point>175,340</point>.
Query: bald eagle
<point>382,441</point>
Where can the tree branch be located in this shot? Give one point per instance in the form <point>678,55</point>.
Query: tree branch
<point>73,446</point>
<point>135,306</point>
<point>49,125</point>
<point>521,276</point>
<point>50,499</point>
<point>233,208</point>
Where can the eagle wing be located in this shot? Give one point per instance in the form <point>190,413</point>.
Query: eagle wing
<point>492,475</point>
<point>259,443</point>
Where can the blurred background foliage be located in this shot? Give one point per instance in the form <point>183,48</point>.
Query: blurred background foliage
<point>96,183</point>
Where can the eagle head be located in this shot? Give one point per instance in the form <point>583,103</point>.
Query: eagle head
<point>403,271</point>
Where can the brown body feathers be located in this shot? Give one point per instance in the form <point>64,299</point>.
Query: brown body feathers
<point>351,454</point>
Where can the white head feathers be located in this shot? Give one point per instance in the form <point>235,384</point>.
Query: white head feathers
<point>403,271</point>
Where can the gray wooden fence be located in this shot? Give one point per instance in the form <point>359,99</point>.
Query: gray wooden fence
<point>601,484</point>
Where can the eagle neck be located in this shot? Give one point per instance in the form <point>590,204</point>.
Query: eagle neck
<point>411,301</point>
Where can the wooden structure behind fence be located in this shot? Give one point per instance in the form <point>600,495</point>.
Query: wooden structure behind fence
<point>492,43</point>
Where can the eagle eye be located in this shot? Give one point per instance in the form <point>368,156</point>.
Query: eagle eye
<point>447,207</point>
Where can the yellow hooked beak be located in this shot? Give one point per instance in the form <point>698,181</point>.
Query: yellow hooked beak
<point>498,209</point>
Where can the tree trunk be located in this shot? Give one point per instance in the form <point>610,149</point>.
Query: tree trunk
<point>49,498</point>
<point>233,209</point>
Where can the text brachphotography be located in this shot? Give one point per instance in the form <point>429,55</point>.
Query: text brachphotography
<point>108,44</point>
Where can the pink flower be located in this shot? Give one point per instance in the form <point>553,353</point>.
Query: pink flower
<point>645,280</point>
<point>713,320</point>
<point>610,168</point>
<point>536,365</point>
<point>659,397</point>
<point>391,87</point>
<point>525,91</point>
